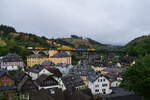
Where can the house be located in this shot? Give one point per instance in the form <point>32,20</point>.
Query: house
<point>98,83</point>
<point>47,82</point>
<point>97,68</point>
<point>7,83</point>
<point>26,87</point>
<point>82,71</point>
<point>64,68</point>
<point>114,69</point>
<point>127,61</point>
<point>19,76</point>
<point>57,75</point>
<point>37,70</point>
<point>11,61</point>
<point>48,64</point>
<point>53,55</point>
<point>114,79</point>
<point>54,76</point>
<point>73,81</point>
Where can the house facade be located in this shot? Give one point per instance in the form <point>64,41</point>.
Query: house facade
<point>7,84</point>
<point>47,82</point>
<point>98,84</point>
<point>37,70</point>
<point>11,61</point>
<point>54,56</point>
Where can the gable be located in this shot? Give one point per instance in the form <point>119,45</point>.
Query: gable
<point>29,85</point>
<point>49,81</point>
<point>101,79</point>
<point>6,80</point>
<point>45,71</point>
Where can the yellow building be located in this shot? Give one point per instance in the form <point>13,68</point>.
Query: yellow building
<point>53,55</point>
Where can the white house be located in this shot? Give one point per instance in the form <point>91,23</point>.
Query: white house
<point>98,83</point>
<point>49,78</point>
<point>10,68</point>
<point>49,82</point>
<point>38,70</point>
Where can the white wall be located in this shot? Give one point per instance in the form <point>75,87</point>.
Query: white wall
<point>36,75</point>
<point>101,85</point>
<point>115,83</point>
<point>33,75</point>
<point>10,68</point>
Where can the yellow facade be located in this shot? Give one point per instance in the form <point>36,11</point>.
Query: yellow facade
<point>32,61</point>
<point>52,52</point>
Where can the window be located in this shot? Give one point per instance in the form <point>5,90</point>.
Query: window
<point>103,79</point>
<point>104,91</point>
<point>96,85</point>
<point>6,78</point>
<point>97,90</point>
<point>104,85</point>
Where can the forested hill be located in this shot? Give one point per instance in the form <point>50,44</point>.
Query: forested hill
<point>139,46</point>
<point>80,42</point>
<point>13,41</point>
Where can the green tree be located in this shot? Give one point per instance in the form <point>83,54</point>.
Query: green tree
<point>137,77</point>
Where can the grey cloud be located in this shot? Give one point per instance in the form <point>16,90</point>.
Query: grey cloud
<point>107,21</point>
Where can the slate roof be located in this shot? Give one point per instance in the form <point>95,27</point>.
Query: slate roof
<point>55,71</point>
<point>62,64</point>
<point>11,57</point>
<point>19,76</point>
<point>46,80</point>
<point>36,68</point>
<point>93,76</point>
<point>42,78</point>
<point>72,81</point>
<point>36,56</point>
<point>2,72</point>
<point>81,69</point>
<point>111,76</point>
<point>114,69</point>
<point>22,82</point>
<point>48,63</point>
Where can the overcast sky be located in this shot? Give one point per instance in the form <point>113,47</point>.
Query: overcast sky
<point>107,21</point>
